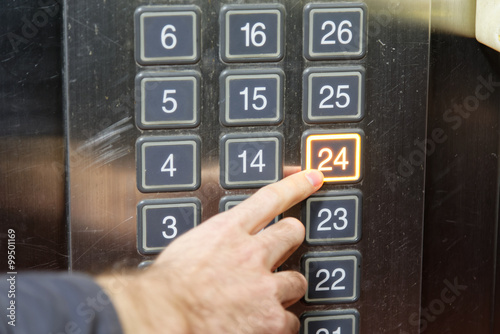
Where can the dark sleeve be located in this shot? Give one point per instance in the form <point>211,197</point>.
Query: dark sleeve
<point>54,304</point>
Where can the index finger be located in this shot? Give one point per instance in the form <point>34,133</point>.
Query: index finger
<point>255,213</point>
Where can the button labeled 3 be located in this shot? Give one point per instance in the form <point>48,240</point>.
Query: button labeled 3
<point>159,222</point>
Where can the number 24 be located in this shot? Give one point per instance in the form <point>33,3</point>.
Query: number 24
<point>340,159</point>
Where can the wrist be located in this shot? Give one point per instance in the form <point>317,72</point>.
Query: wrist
<point>142,308</point>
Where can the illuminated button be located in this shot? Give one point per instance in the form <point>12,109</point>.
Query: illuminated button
<point>333,94</point>
<point>229,202</point>
<point>251,97</point>
<point>334,31</point>
<point>337,155</point>
<point>333,217</point>
<point>167,100</point>
<point>332,277</point>
<point>162,221</point>
<point>252,32</point>
<point>335,322</point>
<point>168,163</point>
<point>167,34</point>
<point>250,160</point>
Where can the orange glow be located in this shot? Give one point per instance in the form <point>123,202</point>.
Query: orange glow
<point>332,173</point>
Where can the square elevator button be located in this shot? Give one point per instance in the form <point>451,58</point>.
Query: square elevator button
<point>251,97</point>
<point>251,160</point>
<point>333,94</point>
<point>252,32</point>
<point>161,221</point>
<point>337,154</point>
<point>229,202</point>
<point>167,99</point>
<point>167,35</point>
<point>334,321</point>
<point>168,163</point>
<point>334,31</point>
<point>333,217</point>
<point>333,277</point>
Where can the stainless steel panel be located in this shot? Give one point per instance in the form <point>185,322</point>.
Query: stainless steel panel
<point>99,87</point>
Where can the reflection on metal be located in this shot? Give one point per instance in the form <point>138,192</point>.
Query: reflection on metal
<point>456,17</point>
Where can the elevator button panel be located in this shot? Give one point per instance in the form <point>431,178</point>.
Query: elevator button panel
<point>252,33</point>
<point>162,221</point>
<point>337,155</point>
<point>334,31</point>
<point>168,163</point>
<point>237,115</point>
<point>333,217</point>
<point>333,94</point>
<point>250,160</point>
<point>332,277</point>
<point>167,35</point>
<point>251,97</point>
<point>334,322</point>
<point>168,99</point>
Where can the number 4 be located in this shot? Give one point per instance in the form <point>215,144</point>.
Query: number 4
<point>168,166</point>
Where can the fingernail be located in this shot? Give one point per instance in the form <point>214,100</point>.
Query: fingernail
<point>315,177</point>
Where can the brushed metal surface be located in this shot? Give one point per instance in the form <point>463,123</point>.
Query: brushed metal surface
<point>99,99</point>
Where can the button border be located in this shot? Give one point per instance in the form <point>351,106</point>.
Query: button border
<point>310,73</point>
<point>167,141</point>
<point>348,131</point>
<point>306,317</point>
<point>339,194</point>
<point>160,11</point>
<point>328,256</point>
<point>251,9</point>
<point>161,203</point>
<point>235,74</point>
<point>308,21</point>
<point>140,111</point>
<point>239,137</point>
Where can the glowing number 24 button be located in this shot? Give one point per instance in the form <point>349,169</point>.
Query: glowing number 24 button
<point>337,155</point>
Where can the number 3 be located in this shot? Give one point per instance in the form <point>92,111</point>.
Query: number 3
<point>170,227</point>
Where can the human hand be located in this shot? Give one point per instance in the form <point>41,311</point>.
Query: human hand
<point>218,278</point>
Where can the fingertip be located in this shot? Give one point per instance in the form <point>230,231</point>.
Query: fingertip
<point>315,177</point>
